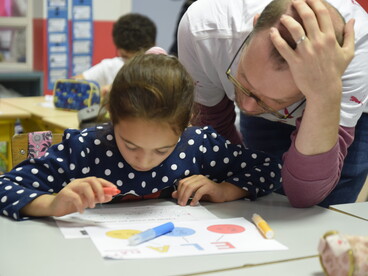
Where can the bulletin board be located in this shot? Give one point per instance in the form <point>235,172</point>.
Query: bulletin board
<point>82,36</point>
<point>69,54</point>
<point>57,40</point>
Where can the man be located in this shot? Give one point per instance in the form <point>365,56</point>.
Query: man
<point>132,33</point>
<point>286,80</point>
<point>174,46</point>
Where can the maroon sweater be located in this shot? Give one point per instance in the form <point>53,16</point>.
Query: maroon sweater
<point>307,179</point>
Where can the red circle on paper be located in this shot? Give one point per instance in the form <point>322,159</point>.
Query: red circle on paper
<point>226,228</point>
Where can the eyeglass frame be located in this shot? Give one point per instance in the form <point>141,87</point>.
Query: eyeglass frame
<point>246,92</point>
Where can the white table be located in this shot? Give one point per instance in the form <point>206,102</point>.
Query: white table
<point>37,248</point>
<point>299,267</point>
<point>358,209</point>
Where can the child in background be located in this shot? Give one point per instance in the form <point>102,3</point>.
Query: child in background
<point>132,33</point>
<point>146,151</point>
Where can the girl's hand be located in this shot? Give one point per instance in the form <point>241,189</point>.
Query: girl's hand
<point>200,187</point>
<point>80,194</point>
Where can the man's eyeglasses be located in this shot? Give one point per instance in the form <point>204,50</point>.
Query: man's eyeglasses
<point>246,92</point>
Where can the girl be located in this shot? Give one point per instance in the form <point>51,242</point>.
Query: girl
<point>145,152</point>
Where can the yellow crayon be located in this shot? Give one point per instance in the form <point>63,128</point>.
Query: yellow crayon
<point>263,226</point>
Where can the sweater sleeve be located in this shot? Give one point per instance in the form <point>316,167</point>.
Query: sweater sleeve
<point>309,179</point>
<point>221,117</point>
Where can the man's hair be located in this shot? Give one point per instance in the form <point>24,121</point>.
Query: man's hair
<point>134,32</point>
<point>270,17</point>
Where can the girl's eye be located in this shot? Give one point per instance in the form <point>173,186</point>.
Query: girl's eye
<point>130,147</point>
<point>161,152</point>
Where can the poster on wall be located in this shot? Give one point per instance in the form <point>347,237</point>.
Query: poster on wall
<point>82,36</point>
<point>57,40</point>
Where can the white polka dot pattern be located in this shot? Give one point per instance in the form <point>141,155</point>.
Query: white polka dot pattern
<point>93,152</point>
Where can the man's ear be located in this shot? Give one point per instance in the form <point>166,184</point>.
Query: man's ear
<point>255,19</point>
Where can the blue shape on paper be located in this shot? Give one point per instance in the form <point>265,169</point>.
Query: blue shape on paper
<point>181,232</point>
<point>195,245</point>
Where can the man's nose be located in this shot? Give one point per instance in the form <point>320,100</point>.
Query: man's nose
<point>248,103</point>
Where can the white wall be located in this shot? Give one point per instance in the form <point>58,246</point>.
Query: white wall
<point>164,13</point>
<point>103,10</point>
<point>110,10</point>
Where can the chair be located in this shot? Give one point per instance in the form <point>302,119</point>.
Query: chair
<point>32,145</point>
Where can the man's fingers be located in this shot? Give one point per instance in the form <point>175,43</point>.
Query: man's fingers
<point>281,45</point>
<point>349,37</point>
<point>296,30</point>
<point>323,15</point>
<point>308,16</point>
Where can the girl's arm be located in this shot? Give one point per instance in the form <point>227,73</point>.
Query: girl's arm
<point>75,197</point>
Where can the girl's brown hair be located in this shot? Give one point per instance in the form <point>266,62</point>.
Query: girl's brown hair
<point>153,87</point>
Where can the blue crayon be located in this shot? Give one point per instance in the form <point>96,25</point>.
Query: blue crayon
<point>151,233</point>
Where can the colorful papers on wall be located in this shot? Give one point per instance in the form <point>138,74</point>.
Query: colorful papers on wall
<point>82,36</point>
<point>57,41</point>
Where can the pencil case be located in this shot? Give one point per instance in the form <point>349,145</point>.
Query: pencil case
<point>38,143</point>
<point>343,255</point>
<point>70,94</point>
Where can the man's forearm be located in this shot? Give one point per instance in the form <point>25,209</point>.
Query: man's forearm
<point>309,179</point>
<point>319,129</point>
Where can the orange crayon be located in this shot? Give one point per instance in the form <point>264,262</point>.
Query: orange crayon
<point>111,191</point>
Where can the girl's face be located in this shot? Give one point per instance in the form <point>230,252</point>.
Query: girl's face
<point>144,144</point>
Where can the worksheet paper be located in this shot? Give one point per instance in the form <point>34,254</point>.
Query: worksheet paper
<point>72,225</point>
<point>201,237</point>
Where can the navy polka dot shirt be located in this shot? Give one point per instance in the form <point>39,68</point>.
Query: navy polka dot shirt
<point>93,152</point>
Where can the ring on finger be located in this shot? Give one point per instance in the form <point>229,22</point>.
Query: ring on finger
<point>300,40</point>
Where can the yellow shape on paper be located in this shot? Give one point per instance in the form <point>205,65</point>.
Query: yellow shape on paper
<point>122,234</point>
<point>162,249</point>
